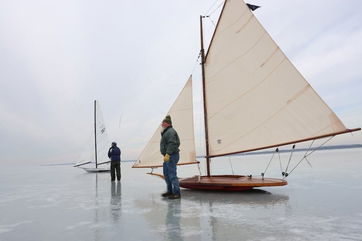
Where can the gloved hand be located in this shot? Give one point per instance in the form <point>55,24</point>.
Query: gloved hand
<point>166,158</point>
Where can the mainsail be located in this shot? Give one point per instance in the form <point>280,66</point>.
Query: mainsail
<point>103,142</point>
<point>255,97</point>
<point>97,148</point>
<point>181,113</point>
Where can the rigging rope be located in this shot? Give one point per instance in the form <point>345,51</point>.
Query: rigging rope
<point>290,158</point>
<point>280,162</point>
<point>308,154</point>
<point>263,173</point>
<point>231,165</point>
<point>198,166</point>
<point>209,12</point>
<point>310,146</point>
<point>212,21</point>
<point>196,61</point>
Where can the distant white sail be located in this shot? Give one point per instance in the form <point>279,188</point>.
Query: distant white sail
<point>103,144</point>
<point>181,114</point>
<point>255,96</point>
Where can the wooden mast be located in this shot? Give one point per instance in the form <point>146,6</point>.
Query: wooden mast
<point>95,132</point>
<point>204,98</point>
<point>203,59</point>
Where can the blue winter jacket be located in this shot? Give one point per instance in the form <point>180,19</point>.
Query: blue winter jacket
<point>115,154</point>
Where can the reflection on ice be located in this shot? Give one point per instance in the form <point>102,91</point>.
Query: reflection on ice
<point>322,203</point>
<point>254,196</point>
<point>201,215</point>
<point>172,221</point>
<point>116,201</point>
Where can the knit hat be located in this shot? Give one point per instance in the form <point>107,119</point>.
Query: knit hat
<point>167,119</point>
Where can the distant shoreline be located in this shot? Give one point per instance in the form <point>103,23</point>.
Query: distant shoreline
<point>333,147</point>
<point>72,163</point>
<point>323,148</point>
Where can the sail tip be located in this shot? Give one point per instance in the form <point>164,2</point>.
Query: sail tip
<point>252,7</point>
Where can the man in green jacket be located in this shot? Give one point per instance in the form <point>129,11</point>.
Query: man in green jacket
<point>169,147</point>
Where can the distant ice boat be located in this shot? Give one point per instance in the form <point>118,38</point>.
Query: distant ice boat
<point>101,145</point>
<point>253,98</point>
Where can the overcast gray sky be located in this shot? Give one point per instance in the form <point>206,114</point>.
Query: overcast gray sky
<point>56,57</point>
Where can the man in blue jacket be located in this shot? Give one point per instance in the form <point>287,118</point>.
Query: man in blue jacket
<point>115,154</point>
<point>169,147</point>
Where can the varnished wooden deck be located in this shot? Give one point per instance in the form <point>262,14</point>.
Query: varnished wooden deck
<point>229,182</point>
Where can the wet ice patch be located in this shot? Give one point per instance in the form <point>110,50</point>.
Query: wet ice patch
<point>10,227</point>
<point>99,225</point>
<point>191,232</point>
<point>5,229</point>
<point>270,239</point>
<point>77,225</point>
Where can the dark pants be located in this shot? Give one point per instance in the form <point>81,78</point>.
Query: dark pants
<point>115,167</point>
<point>170,173</point>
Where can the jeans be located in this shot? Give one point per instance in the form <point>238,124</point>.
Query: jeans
<point>170,173</point>
<point>115,167</point>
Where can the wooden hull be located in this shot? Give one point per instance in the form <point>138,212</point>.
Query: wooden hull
<point>229,182</point>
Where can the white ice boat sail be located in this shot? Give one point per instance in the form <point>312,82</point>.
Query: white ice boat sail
<point>96,159</point>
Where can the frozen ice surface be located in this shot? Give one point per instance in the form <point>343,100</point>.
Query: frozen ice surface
<point>65,203</point>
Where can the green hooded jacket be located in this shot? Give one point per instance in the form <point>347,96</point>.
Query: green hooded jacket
<point>170,142</point>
